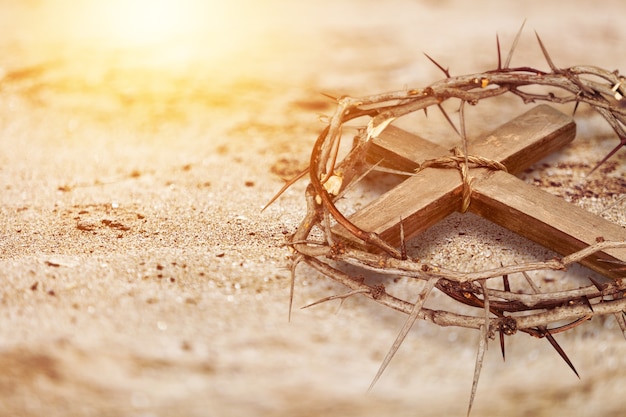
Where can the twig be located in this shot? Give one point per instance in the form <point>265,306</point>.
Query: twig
<point>413,315</point>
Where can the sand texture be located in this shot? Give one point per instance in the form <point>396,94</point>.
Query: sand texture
<point>140,277</point>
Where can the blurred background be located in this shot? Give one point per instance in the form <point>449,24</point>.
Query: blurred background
<point>214,53</point>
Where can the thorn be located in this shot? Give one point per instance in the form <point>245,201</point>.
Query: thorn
<point>426,111</point>
<point>510,56</point>
<point>333,98</point>
<point>507,288</point>
<point>445,114</point>
<point>545,54</point>
<point>610,154</point>
<point>482,347</point>
<point>619,200</point>
<point>575,108</point>
<point>417,307</point>
<point>288,184</point>
<point>559,350</point>
<point>588,303</point>
<point>402,242</point>
<point>296,261</point>
<point>480,356</point>
<point>534,286</point>
<point>444,70</point>
<point>599,285</point>
<point>499,52</point>
<point>621,320</point>
<point>341,297</point>
<point>463,132</point>
<point>571,325</point>
<point>505,280</point>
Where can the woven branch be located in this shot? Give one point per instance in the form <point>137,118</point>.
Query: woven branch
<point>498,311</point>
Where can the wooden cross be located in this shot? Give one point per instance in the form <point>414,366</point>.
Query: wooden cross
<point>426,198</point>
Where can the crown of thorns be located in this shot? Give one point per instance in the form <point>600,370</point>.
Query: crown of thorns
<point>501,312</point>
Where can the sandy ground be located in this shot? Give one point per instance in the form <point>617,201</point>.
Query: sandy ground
<point>140,277</point>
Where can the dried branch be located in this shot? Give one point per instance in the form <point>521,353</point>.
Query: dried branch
<point>498,310</point>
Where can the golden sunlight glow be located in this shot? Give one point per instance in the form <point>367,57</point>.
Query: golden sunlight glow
<point>133,23</point>
<point>136,22</point>
<point>160,32</point>
<point>145,20</point>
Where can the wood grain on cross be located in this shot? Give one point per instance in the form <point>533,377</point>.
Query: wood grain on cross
<point>426,198</point>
